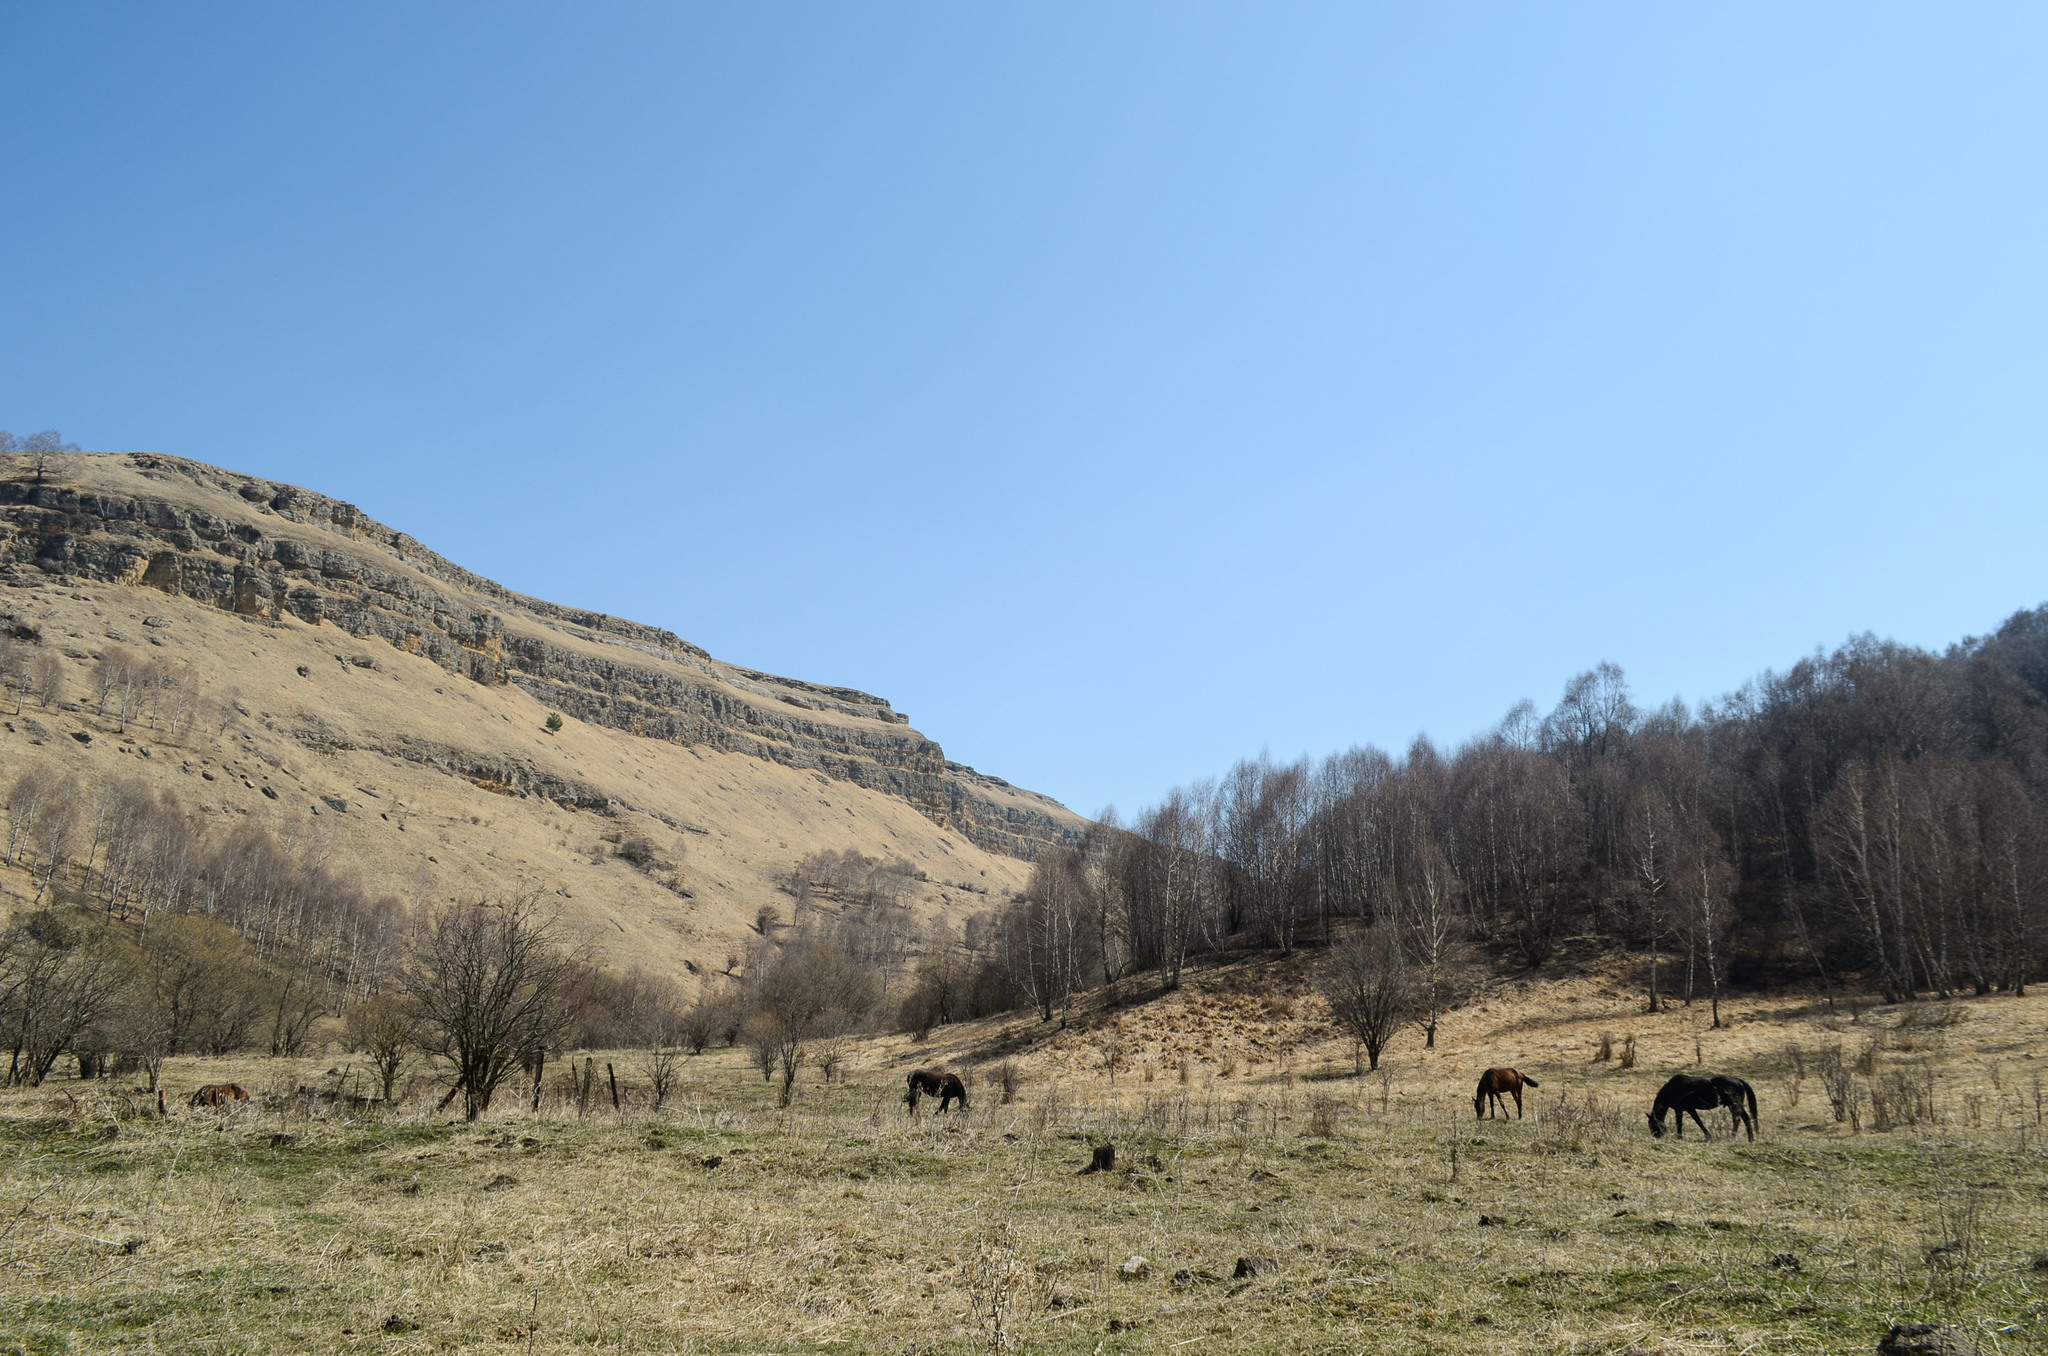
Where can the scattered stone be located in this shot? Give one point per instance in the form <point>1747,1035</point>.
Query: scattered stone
<point>81,736</point>
<point>399,1323</point>
<point>282,1141</point>
<point>711,1161</point>
<point>336,804</point>
<point>1135,1268</point>
<point>1785,1262</point>
<point>501,1181</point>
<point>1663,1226</point>
<point>1251,1268</point>
<point>133,1244</point>
<point>305,672</point>
<point>1492,1221</point>
<point>155,623</point>
<point>270,791</point>
<point>1922,1339</point>
<point>1104,1160</point>
<point>1183,1279</point>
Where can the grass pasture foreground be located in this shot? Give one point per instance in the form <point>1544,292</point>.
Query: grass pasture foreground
<point>1369,1216</point>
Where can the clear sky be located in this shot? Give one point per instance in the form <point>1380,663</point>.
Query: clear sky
<point>1118,389</point>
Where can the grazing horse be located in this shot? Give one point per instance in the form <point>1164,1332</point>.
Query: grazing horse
<point>1694,1093</point>
<point>1495,1082</point>
<point>947,1087</point>
<point>220,1094</point>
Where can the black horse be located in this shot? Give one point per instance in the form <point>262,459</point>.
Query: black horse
<point>947,1087</point>
<point>1694,1093</point>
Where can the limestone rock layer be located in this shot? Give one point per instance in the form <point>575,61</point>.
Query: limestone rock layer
<point>266,551</point>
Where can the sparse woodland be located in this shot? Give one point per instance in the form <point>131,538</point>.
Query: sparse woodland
<point>1870,818</point>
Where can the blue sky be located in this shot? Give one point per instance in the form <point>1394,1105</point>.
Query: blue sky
<point>1119,389</point>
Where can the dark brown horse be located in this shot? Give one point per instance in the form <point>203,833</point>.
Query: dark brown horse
<point>947,1087</point>
<point>1694,1093</point>
<point>1495,1083</point>
<point>220,1094</point>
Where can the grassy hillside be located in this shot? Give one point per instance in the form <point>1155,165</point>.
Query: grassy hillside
<point>404,741</point>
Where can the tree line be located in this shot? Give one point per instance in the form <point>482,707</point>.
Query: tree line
<point>145,939</point>
<point>1870,816</point>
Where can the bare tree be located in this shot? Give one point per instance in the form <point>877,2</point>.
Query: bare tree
<point>114,679</point>
<point>57,978</point>
<point>43,454</point>
<point>1433,929</point>
<point>1704,880</point>
<point>1368,987</point>
<point>662,1063</point>
<point>15,675</point>
<point>811,993</point>
<point>1649,837</point>
<point>384,1028</point>
<point>47,675</point>
<point>489,982</point>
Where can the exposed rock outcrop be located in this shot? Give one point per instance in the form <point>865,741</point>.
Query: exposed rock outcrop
<point>267,551</point>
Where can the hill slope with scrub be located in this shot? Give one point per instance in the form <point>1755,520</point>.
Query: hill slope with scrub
<point>243,655</point>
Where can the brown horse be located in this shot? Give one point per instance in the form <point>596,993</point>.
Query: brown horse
<point>946,1087</point>
<point>220,1094</point>
<point>1493,1084</point>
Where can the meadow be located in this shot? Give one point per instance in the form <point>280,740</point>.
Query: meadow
<point>1288,1204</point>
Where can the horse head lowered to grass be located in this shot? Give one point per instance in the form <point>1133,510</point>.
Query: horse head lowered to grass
<point>1690,1094</point>
<point>947,1087</point>
<point>1496,1083</point>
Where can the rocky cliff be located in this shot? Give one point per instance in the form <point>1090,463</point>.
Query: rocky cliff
<point>283,555</point>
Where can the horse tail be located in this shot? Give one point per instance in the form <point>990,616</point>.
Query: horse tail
<point>1530,1082</point>
<point>1749,1093</point>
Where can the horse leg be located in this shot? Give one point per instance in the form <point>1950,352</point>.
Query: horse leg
<point>1700,1123</point>
<point>1517,1091</point>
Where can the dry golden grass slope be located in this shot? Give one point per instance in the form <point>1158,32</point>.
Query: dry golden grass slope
<point>399,721</point>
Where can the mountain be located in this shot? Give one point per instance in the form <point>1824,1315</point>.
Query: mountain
<point>369,697</point>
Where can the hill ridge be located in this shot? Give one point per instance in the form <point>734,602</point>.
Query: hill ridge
<point>267,550</point>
